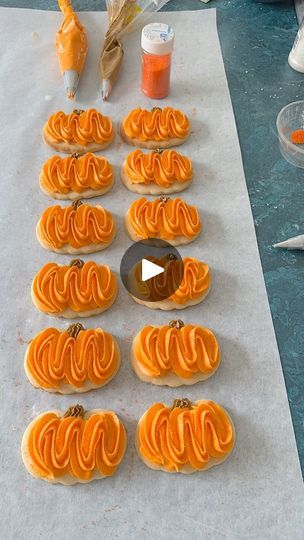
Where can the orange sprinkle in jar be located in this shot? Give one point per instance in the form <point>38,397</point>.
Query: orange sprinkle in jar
<point>157,40</point>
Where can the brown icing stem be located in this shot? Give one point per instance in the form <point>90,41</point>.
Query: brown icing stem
<point>76,204</point>
<point>78,111</point>
<point>177,324</point>
<point>75,155</point>
<point>164,198</point>
<point>77,262</point>
<point>183,403</point>
<point>75,411</point>
<point>74,329</point>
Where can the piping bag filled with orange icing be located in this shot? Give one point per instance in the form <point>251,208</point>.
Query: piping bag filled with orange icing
<point>72,48</point>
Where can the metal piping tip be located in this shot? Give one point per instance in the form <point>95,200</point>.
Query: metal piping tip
<point>297,242</point>
<point>70,81</point>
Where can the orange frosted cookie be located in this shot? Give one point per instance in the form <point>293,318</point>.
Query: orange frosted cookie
<point>192,275</point>
<point>72,360</point>
<point>175,354</point>
<point>186,437</point>
<point>79,228</point>
<point>80,131</point>
<point>79,289</point>
<point>172,220</point>
<point>159,172</point>
<point>73,176</point>
<point>75,446</point>
<point>158,128</point>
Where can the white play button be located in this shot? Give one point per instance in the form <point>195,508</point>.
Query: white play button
<point>149,269</point>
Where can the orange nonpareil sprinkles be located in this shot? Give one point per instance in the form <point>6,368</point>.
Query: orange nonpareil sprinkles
<point>297,136</point>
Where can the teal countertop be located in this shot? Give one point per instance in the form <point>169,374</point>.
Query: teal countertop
<point>256,39</point>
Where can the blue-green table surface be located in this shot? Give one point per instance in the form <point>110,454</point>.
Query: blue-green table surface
<point>256,39</point>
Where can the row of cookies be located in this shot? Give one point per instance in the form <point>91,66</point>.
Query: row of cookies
<point>89,131</point>
<point>87,288</point>
<point>159,172</point>
<point>84,228</point>
<point>79,446</point>
<point>76,360</point>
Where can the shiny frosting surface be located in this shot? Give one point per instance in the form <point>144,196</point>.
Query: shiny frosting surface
<point>187,351</point>
<point>76,226</point>
<point>174,438</point>
<point>161,168</point>
<point>164,218</point>
<point>156,125</point>
<point>78,174</point>
<point>76,446</point>
<point>56,288</point>
<point>56,358</point>
<point>87,127</point>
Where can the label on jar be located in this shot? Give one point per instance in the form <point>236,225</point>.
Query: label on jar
<point>158,32</point>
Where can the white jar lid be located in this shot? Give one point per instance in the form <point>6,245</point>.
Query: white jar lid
<point>157,38</point>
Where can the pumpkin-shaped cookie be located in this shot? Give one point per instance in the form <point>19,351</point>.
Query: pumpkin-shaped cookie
<point>72,360</point>
<point>79,289</point>
<point>158,128</point>
<point>156,173</point>
<point>80,131</point>
<point>172,220</point>
<point>185,437</point>
<point>76,176</point>
<point>191,275</point>
<point>175,354</point>
<point>80,228</point>
<point>75,446</point>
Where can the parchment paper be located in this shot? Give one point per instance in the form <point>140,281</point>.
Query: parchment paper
<point>258,492</point>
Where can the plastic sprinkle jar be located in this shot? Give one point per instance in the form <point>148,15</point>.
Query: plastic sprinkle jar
<point>157,40</point>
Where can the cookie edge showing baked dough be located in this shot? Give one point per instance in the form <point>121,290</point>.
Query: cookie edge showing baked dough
<point>151,189</point>
<point>74,148</point>
<point>186,469</point>
<point>172,380</point>
<point>168,305</point>
<point>90,248</point>
<point>68,389</point>
<point>152,144</point>
<point>66,480</point>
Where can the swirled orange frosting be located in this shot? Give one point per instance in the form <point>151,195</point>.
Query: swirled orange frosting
<point>62,175</point>
<point>57,288</point>
<point>55,358</point>
<point>76,226</point>
<point>76,446</point>
<point>88,127</point>
<point>164,218</point>
<point>192,275</point>
<point>192,349</point>
<point>160,168</point>
<point>177,438</point>
<point>156,125</point>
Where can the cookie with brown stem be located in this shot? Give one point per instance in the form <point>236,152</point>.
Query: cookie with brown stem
<point>80,131</point>
<point>185,437</point>
<point>79,228</point>
<point>75,446</point>
<point>158,128</point>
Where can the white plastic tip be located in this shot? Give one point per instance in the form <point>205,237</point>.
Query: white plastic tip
<point>106,88</point>
<point>297,242</point>
<point>70,81</point>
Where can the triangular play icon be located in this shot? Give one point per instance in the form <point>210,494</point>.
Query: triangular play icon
<point>149,269</point>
